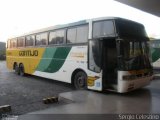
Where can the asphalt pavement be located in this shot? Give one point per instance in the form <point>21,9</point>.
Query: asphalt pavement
<point>25,94</point>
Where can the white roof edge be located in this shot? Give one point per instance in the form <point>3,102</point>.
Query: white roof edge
<point>104,18</point>
<point>64,26</point>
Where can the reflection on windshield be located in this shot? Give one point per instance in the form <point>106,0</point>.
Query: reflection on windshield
<point>135,55</point>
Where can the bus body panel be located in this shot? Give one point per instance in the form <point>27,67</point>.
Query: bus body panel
<point>76,59</point>
<point>94,80</point>
<point>50,62</point>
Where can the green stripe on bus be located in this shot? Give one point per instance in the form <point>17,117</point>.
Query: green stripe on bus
<point>55,58</point>
<point>46,59</point>
<point>155,54</point>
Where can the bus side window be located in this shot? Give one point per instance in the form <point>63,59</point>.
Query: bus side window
<point>60,36</point>
<point>13,43</point>
<point>8,44</point>
<point>56,37</point>
<point>21,42</point>
<point>52,38</point>
<point>38,40</point>
<point>82,34</point>
<point>30,40</point>
<point>41,39</point>
<point>77,34</point>
<point>71,35</point>
<point>103,28</point>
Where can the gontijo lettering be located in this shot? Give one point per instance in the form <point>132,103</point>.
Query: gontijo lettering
<point>28,53</point>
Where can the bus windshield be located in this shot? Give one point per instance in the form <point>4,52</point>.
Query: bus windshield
<point>134,55</point>
<point>127,28</point>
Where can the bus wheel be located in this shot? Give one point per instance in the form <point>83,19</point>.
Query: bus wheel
<point>80,80</point>
<point>21,70</point>
<point>16,69</point>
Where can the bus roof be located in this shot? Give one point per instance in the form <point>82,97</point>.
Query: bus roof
<point>61,26</point>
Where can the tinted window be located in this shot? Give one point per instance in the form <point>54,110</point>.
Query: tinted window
<point>103,28</point>
<point>129,28</point>
<point>155,44</point>
<point>60,37</point>
<point>94,55</point>
<point>13,43</point>
<point>78,34</point>
<point>56,37</point>
<point>38,40</point>
<point>82,34</point>
<point>8,44</point>
<point>71,35</point>
<point>52,38</point>
<point>20,41</point>
<point>30,40</point>
<point>41,39</point>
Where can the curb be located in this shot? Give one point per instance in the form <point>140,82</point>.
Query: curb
<point>50,100</point>
<point>5,108</point>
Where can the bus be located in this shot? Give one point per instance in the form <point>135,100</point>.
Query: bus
<point>108,53</point>
<point>155,52</point>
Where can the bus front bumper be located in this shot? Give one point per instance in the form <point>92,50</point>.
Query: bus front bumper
<point>130,85</point>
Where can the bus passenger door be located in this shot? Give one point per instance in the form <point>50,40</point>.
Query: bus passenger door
<point>109,64</point>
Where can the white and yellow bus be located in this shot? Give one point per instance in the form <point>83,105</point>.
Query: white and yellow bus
<point>99,54</point>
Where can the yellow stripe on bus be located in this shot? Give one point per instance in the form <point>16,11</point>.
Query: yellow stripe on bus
<point>28,57</point>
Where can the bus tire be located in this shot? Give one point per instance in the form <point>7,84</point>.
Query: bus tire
<point>16,69</point>
<point>21,70</point>
<point>80,80</point>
